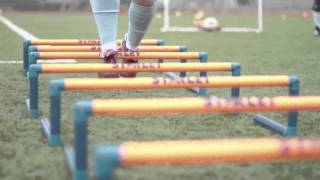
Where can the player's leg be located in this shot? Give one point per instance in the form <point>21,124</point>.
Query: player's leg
<point>316,17</point>
<point>106,15</point>
<point>140,15</point>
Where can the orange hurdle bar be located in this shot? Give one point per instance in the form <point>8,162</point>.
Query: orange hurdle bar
<point>141,67</point>
<point>35,56</point>
<point>164,82</point>
<point>98,49</point>
<point>122,55</point>
<point>77,156</point>
<point>201,105</point>
<point>85,42</point>
<point>199,152</point>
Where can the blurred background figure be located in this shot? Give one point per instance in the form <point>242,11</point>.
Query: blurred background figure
<point>316,17</point>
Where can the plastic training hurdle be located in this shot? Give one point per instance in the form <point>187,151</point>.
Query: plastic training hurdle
<point>98,49</point>
<point>77,156</point>
<point>52,126</point>
<point>109,157</point>
<point>37,69</point>
<point>73,42</point>
<point>182,56</point>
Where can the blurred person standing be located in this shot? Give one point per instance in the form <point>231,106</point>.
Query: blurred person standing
<point>316,17</point>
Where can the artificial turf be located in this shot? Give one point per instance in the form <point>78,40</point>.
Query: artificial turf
<point>286,47</point>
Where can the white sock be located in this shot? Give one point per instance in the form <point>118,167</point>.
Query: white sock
<point>128,45</point>
<point>106,47</point>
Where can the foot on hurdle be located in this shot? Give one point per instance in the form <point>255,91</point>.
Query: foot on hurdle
<point>109,57</point>
<point>128,51</point>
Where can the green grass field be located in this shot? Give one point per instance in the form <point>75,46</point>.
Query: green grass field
<point>285,48</point>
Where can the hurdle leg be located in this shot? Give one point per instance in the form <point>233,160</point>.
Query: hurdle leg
<point>33,58</point>
<point>183,49</point>
<point>25,65</point>
<point>78,157</point>
<point>291,128</point>
<point>33,101</point>
<point>292,124</point>
<point>183,74</point>
<point>52,126</point>
<point>107,160</point>
<point>70,158</point>
<point>270,124</point>
<point>160,61</point>
<point>203,59</point>
<point>160,43</point>
<point>236,71</point>
<point>294,90</point>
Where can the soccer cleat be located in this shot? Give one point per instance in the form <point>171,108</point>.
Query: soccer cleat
<point>128,61</point>
<point>110,58</point>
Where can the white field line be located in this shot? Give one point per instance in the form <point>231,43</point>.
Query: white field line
<point>26,35</point>
<point>59,61</point>
<point>21,32</point>
<point>10,62</point>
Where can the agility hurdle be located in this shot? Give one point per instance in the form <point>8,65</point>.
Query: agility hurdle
<point>52,126</point>
<point>182,56</point>
<point>98,49</point>
<point>77,156</point>
<point>37,69</point>
<point>175,153</point>
<point>73,42</point>
<point>52,129</point>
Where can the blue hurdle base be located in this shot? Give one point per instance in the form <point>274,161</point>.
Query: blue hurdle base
<point>53,140</point>
<point>270,124</point>
<point>32,113</point>
<point>70,158</point>
<point>198,91</point>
